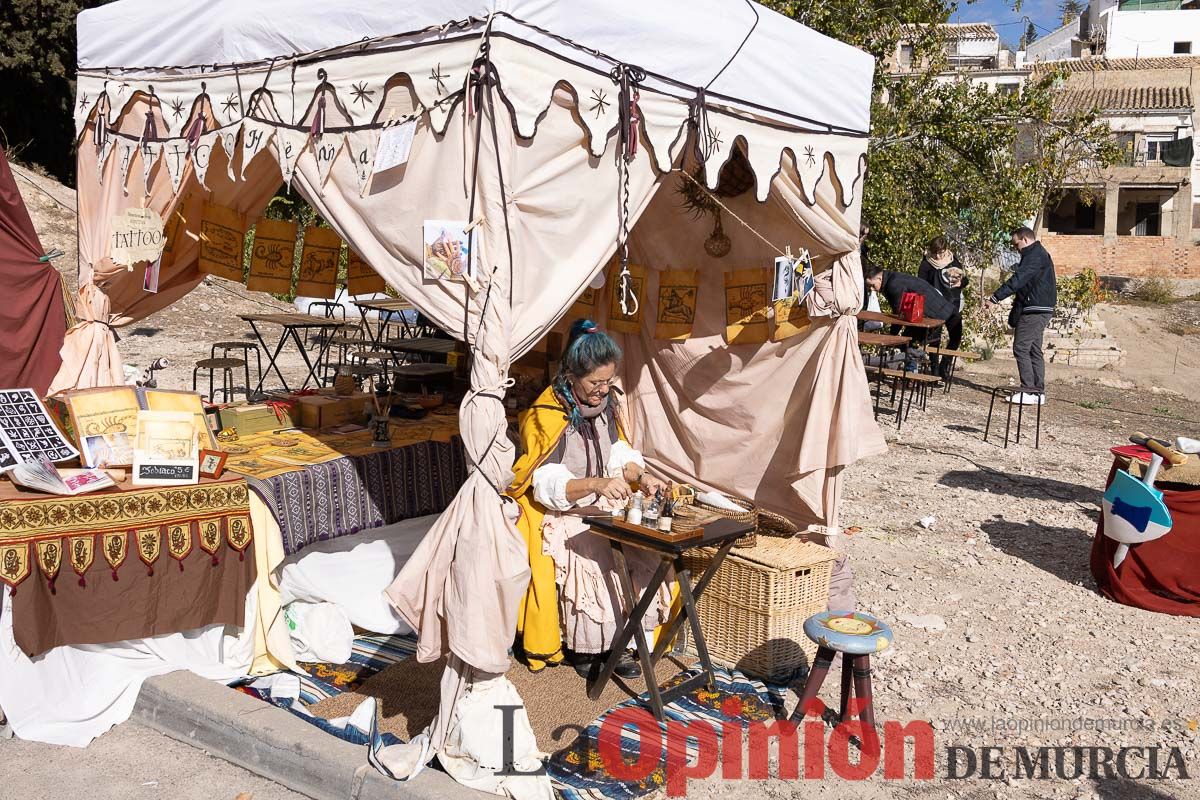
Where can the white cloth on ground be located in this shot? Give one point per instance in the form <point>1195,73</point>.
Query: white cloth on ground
<point>72,694</point>
<point>353,571</point>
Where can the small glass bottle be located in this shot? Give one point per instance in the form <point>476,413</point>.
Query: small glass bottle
<point>653,508</point>
<point>633,514</point>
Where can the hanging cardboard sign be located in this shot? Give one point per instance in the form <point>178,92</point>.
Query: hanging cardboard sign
<point>747,299</point>
<point>319,263</point>
<point>174,228</point>
<point>618,320</point>
<point>360,277</point>
<point>137,235</point>
<point>677,291</point>
<point>585,305</point>
<point>394,146</point>
<point>271,256</point>
<point>222,237</point>
<point>791,318</point>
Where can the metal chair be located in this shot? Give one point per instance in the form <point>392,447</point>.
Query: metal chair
<point>227,366</point>
<point>331,310</point>
<point>245,348</point>
<point>1002,392</point>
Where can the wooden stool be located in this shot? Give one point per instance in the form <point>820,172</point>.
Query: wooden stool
<point>855,635</point>
<point>422,375</point>
<point>1001,391</point>
<point>227,366</point>
<point>245,347</point>
<point>380,358</point>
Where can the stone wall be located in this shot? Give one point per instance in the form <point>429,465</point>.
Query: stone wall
<point>1128,256</point>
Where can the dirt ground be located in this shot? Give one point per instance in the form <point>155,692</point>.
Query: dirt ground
<point>997,620</point>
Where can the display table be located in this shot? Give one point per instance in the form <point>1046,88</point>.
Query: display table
<point>720,535</point>
<point>1159,575</point>
<point>125,563</point>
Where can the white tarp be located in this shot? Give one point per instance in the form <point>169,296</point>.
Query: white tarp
<point>735,49</point>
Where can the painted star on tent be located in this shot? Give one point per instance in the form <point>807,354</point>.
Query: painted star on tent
<point>83,101</point>
<point>810,157</point>
<point>715,141</point>
<point>177,108</point>
<point>361,93</point>
<point>439,78</point>
<point>601,103</point>
<point>230,104</point>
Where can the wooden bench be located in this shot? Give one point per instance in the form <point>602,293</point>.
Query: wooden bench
<point>910,384</point>
<point>953,355</point>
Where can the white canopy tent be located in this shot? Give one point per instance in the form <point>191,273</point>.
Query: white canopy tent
<point>524,111</point>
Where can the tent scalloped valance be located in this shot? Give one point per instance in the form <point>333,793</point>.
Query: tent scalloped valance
<point>361,92</point>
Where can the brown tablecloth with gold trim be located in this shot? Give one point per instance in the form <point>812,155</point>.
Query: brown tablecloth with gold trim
<point>125,563</point>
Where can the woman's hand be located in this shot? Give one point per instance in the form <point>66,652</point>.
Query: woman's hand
<point>612,488</point>
<point>651,484</point>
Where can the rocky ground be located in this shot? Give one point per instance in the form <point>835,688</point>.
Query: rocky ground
<point>997,620</point>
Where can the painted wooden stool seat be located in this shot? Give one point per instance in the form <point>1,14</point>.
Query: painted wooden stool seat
<point>855,635</point>
<point>849,632</point>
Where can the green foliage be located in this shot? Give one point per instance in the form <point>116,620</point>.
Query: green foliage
<point>1071,10</point>
<point>37,70</point>
<point>1159,291</point>
<point>1031,34</point>
<point>1082,291</point>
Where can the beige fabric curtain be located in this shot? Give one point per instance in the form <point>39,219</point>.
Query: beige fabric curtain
<point>110,296</point>
<point>776,422</point>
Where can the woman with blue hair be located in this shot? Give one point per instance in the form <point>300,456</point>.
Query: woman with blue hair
<point>576,461</point>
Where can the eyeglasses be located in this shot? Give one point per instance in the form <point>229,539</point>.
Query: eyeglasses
<point>608,384</point>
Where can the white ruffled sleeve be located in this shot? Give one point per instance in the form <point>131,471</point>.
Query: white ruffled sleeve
<point>550,486</point>
<point>622,453</point>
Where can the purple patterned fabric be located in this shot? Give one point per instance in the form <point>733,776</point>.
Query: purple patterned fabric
<point>355,493</point>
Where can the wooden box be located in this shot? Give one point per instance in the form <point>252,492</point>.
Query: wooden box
<point>321,411</point>
<point>754,610</point>
<point>254,419</point>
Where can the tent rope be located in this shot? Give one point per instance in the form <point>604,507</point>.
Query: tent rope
<point>731,213</point>
<point>627,77</point>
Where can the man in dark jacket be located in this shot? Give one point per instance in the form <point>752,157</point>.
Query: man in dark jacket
<point>1036,292</point>
<point>893,286</point>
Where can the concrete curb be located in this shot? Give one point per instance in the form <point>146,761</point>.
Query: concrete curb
<point>275,744</point>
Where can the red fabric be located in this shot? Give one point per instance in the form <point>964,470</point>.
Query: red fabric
<point>1160,575</point>
<point>912,307</point>
<point>32,319</point>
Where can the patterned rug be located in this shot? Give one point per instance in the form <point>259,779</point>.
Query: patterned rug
<point>576,771</point>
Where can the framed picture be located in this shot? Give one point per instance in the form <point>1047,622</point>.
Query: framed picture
<point>212,463</point>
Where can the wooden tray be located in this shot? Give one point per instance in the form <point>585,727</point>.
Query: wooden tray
<point>621,530</point>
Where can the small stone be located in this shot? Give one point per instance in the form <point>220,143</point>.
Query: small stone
<point>929,622</point>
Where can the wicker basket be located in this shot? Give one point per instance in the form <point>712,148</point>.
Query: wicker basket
<point>754,609</point>
<point>749,515</point>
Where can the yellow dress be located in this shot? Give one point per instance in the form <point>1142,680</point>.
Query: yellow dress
<point>542,428</point>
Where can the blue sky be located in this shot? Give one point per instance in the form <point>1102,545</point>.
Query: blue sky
<point>1044,13</point>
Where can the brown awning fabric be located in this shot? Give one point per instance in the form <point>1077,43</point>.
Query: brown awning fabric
<point>32,318</point>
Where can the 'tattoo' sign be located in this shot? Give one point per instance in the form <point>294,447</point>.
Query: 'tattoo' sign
<point>137,235</point>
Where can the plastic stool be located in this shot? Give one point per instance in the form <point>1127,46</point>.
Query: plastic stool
<point>855,635</point>
<point>245,347</point>
<point>227,366</point>
<point>1002,392</point>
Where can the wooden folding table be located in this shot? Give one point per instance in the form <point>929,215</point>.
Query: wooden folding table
<point>722,534</point>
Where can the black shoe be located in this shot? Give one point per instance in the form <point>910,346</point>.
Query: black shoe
<point>627,666</point>
<point>582,668</point>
